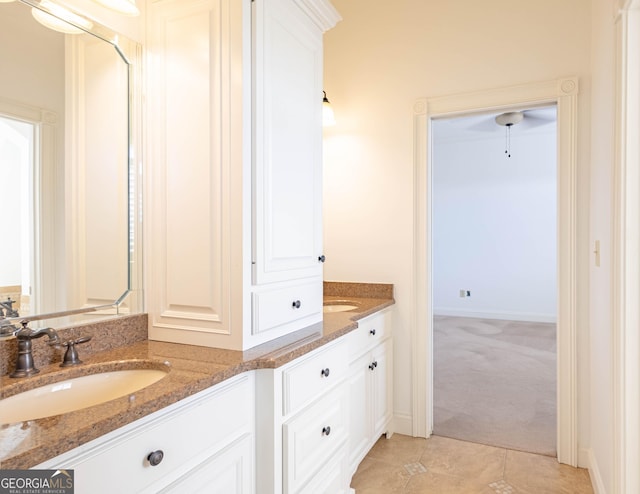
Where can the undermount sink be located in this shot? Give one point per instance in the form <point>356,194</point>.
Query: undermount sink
<point>75,393</point>
<point>338,307</point>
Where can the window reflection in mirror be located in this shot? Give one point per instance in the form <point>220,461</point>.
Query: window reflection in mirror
<point>65,108</point>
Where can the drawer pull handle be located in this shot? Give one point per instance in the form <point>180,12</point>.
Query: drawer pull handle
<point>372,332</point>
<point>296,304</point>
<point>325,372</point>
<point>326,431</point>
<point>373,365</point>
<point>155,458</point>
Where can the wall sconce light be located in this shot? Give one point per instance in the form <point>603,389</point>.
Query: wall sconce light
<point>328,118</point>
<point>60,19</point>
<point>126,7</point>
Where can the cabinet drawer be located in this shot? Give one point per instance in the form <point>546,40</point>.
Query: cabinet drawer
<point>313,437</point>
<point>119,463</point>
<point>275,308</point>
<point>313,375</point>
<point>370,332</point>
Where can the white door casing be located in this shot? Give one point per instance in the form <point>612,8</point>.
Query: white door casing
<point>626,245</point>
<point>564,94</point>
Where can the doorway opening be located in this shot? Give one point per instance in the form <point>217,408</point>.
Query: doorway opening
<point>494,244</point>
<point>17,148</point>
<point>563,93</point>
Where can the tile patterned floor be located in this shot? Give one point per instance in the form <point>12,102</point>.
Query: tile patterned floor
<point>439,465</point>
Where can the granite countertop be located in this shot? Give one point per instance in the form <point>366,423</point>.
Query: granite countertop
<point>191,369</point>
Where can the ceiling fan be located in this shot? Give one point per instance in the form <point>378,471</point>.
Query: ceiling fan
<point>525,119</point>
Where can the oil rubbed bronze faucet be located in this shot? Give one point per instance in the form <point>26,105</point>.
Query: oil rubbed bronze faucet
<point>25,365</point>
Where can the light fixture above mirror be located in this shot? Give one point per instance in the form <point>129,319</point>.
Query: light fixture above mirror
<point>60,19</point>
<point>126,7</point>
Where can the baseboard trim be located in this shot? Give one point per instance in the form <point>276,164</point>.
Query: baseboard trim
<point>584,458</point>
<point>507,316</point>
<point>594,472</point>
<point>403,424</point>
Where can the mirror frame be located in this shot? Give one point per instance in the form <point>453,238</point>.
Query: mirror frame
<point>133,290</point>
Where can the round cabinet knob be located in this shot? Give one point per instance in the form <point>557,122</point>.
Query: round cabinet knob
<point>325,372</point>
<point>155,458</point>
<point>322,258</point>
<point>296,304</point>
<point>326,431</point>
<point>372,332</point>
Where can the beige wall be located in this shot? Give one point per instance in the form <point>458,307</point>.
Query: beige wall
<point>378,61</point>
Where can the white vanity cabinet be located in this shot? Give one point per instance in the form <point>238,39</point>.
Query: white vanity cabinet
<point>206,442</point>
<point>370,384</point>
<point>234,169</point>
<point>304,424</point>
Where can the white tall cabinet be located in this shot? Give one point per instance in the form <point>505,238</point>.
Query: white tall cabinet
<point>234,97</point>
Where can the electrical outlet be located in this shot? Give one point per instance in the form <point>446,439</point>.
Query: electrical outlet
<point>463,293</point>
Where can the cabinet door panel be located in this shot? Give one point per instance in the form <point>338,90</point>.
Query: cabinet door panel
<point>359,404</point>
<point>229,471</point>
<point>329,480</point>
<point>312,437</point>
<point>196,100</point>
<point>287,143</point>
<point>382,388</point>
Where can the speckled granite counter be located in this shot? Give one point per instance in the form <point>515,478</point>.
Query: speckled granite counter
<point>191,369</point>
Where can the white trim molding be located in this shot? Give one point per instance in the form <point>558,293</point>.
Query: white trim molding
<point>590,462</point>
<point>321,12</point>
<point>489,314</point>
<point>564,94</point>
<point>626,262</point>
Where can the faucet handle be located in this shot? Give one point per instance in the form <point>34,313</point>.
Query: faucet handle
<point>71,355</point>
<point>80,340</point>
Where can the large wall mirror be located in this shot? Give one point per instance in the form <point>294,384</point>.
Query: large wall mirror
<point>68,166</point>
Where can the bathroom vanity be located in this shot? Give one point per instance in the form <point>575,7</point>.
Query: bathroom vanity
<point>295,415</point>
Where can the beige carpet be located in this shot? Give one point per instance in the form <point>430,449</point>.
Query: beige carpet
<point>495,382</point>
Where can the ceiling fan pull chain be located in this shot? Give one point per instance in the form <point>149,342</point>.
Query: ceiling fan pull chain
<point>508,120</point>
<point>506,140</point>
